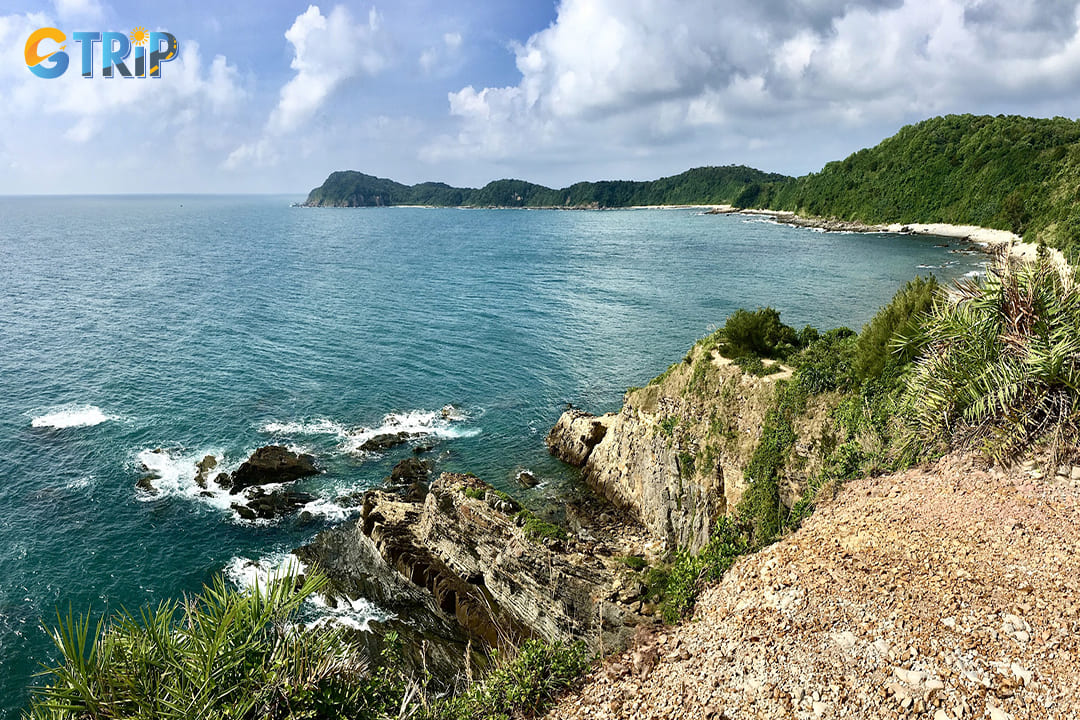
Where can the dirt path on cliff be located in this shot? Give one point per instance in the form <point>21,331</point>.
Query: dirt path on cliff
<point>941,592</point>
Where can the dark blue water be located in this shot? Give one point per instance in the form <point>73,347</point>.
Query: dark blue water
<point>214,325</point>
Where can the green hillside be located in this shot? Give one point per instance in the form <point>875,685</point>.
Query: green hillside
<point>705,186</point>
<point>1007,172</point>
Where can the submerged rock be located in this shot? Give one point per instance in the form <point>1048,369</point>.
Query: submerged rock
<point>272,464</point>
<point>146,483</point>
<point>527,479</point>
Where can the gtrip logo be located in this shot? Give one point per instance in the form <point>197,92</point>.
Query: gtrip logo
<point>46,58</point>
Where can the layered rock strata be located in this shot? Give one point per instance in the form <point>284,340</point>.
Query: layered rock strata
<point>468,555</point>
<point>674,456</point>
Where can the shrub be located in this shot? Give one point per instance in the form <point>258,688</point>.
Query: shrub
<point>521,685</point>
<point>690,572</point>
<point>220,654</point>
<point>539,530</point>
<point>900,317</point>
<point>634,562</point>
<point>759,333</point>
<point>826,364</point>
<point>999,364</point>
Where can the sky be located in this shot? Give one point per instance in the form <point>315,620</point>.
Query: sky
<point>269,96</point>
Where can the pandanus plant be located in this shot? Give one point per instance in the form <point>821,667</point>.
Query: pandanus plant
<point>998,363</point>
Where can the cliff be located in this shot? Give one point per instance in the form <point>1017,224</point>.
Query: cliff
<point>675,455</point>
<point>468,555</point>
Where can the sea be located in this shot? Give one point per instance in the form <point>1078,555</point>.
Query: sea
<point>139,334</point>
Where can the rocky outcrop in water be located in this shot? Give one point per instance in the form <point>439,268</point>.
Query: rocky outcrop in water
<point>471,557</point>
<point>674,456</point>
<point>272,464</point>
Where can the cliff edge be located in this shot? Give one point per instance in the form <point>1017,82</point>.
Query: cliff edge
<point>948,591</point>
<point>674,457</point>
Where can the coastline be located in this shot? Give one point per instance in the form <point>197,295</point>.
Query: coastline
<point>988,238</point>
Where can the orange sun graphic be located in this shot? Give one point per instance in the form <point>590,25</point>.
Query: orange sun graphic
<point>139,36</point>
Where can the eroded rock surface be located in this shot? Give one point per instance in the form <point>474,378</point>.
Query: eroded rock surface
<point>674,456</point>
<point>465,554</point>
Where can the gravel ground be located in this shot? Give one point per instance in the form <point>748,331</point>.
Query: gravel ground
<point>944,592</point>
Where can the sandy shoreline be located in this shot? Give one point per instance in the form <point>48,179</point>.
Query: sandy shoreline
<point>987,237</point>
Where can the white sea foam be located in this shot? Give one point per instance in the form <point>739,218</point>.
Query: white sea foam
<point>175,471</point>
<point>329,510</point>
<point>356,614</point>
<point>443,423</point>
<point>320,426</point>
<point>80,484</point>
<point>250,575</point>
<point>71,416</point>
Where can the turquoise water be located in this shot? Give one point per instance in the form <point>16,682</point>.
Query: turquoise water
<point>214,325</point>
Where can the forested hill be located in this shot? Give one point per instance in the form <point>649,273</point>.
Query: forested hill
<point>700,186</point>
<point>1007,172</point>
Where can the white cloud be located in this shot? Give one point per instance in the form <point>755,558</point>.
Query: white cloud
<point>74,10</point>
<point>327,51</point>
<point>71,128</point>
<point>443,58</point>
<point>641,72</point>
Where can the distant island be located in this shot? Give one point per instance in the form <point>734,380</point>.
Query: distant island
<point>1005,172</point>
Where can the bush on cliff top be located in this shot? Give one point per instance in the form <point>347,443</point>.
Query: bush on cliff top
<point>998,365</point>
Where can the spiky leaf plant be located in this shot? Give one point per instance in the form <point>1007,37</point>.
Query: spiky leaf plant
<point>998,364</point>
<point>221,654</point>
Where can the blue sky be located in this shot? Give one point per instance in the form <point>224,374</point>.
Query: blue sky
<point>272,96</point>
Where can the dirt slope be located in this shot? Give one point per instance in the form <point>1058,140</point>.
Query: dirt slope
<point>941,592</point>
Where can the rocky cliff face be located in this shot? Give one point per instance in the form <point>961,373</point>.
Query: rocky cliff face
<point>466,555</point>
<point>674,456</point>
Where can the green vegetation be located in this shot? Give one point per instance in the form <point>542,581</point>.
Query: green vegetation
<point>634,562</point>
<point>999,365</point>
<point>539,530</point>
<point>901,317</point>
<point>1007,172</point>
<point>222,654</point>
<point>234,654</point>
<point>700,186</point>
<point>689,572</point>
<point>759,334</point>
<point>521,685</point>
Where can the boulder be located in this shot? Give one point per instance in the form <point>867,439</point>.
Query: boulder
<point>268,506</point>
<point>385,441</point>
<point>575,435</point>
<point>527,479</point>
<point>272,464</point>
<point>410,470</point>
<point>203,468</point>
<point>146,483</point>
